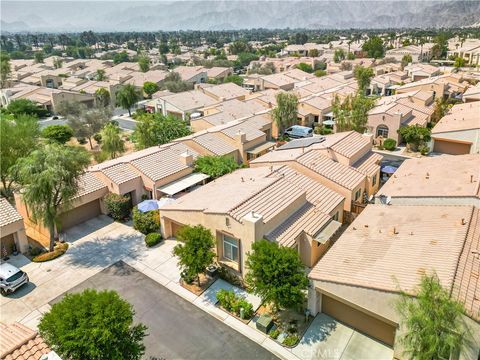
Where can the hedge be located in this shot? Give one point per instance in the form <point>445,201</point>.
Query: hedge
<point>233,303</point>
<point>146,222</point>
<point>153,239</point>
<point>118,206</point>
<point>59,250</point>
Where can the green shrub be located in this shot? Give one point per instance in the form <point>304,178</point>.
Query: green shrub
<point>59,250</point>
<point>274,333</point>
<point>82,140</point>
<point>424,149</point>
<point>322,130</point>
<point>98,138</point>
<point>147,222</point>
<point>118,206</point>
<point>247,308</point>
<point>290,340</point>
<point>389,144</point>
<point>153,239</point>
<point>233,303</point>
<point>100,156</point>
<point>226,299</point>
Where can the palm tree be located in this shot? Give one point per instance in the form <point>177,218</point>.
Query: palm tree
<point>112,143</point>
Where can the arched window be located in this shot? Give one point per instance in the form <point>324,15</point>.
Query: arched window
<point>382,130</point>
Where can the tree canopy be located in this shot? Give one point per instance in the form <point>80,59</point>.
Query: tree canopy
<point>18,138</point>
<point>352,113</point>
<point>26,107</point>
<point>415,135</point>
<point>431,320</point>
<point>156,129</point>
<point>150,88</point>
<point>112,142</point>
<point>49,178</point>
<point>374,47</point>
<point>93,325</point>
<point>57,133</point>
<point>127,96</point>
<point>363,75</point>
<point>285,113</point>
<point>216,166</point>
<point>144,63</point>
<point>276,274</point>
<point>195,252</point>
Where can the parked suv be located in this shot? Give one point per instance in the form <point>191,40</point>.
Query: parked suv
<point>297,131</point>
<point>11,278</point>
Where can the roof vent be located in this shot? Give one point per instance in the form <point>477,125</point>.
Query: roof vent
<point>471,178</point>
<point>243,180</point>
<point>393,231</point>
<point>463,222</point>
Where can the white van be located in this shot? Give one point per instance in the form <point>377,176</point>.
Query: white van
<point>11,278</point>
<point>297,131</point>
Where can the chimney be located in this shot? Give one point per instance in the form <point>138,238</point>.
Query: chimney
<point>186,158</point>
<point>241,137</point>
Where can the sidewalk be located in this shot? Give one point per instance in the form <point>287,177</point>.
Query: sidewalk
<point>168,275</point>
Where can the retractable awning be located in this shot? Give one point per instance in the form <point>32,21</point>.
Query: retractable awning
<point>183,183</point>
<point>260,148</point>
<point>328,231</point>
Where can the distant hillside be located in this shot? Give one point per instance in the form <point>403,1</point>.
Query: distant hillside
<point>224,15</point>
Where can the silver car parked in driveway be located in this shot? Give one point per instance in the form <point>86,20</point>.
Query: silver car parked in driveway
<point>11,278</point>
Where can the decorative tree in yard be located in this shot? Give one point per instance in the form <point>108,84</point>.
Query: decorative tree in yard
<point>415,136</point>
<point>85,122</point>
<point>363,75</point>
<point>285,113</point>
<point>216,166</point>
<point>112,142</point>
<point>432,322</point>
<point>127,96</point>
<point>150,88</point>
<point>276,274</point>
<point>18,138</point>
<point>57,133</point>
<point>102,96</point>
<point>49,178</point>
<point>196,252</point>
<point>352,113</point>
<point>156,129</point>
<point>93,325</point>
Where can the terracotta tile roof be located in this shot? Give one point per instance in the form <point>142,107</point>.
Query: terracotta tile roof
<point>214,144</point>
<point>251,127</point>
<point>161,164</point>
<point>369,164</point>
<point>442,176</point>
<point>89,183</point>
<point>389,247</point>
<point>311,217</point>
<point>18,342</point>
<point>466,286</point>
<point>270,201</point>
<point>350,144</point>
<point>120,173</point>
<point>227,91</point>
<point>8,214</point>
<point>343,175</point>
<point>307,219</point>
<point>189,100</point>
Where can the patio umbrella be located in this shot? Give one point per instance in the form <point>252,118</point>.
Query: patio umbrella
<point>148,205</point>
<point>328,122</point>
<point>388,169</point>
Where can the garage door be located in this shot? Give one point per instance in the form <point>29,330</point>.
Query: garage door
<point>80,214</point>
<point>358,320</point>
<point>7,242</point>
<point>452,148</point>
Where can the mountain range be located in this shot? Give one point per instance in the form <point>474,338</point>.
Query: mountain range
<point>70,16</point>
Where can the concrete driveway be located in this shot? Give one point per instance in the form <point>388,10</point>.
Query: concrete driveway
<point>328,339</point>
<point>94,245</point>
<point>176,328</point>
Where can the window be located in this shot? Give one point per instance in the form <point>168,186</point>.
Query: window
<point>374,180</point>
<point>335,217</point>
<point>357,194</point>
<point>230,248</point>
<point>382,131</point>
